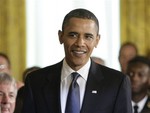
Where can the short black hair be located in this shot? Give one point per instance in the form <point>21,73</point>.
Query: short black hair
<point>140,59</point>
<point>80,13</point>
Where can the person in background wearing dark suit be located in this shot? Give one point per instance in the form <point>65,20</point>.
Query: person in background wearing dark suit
<point>139,72</point>
<point>94,87</point>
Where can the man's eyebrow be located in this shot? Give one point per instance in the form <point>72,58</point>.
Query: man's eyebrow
<point>72,32</point>
<point>89,34</point>
<point>12,92</point>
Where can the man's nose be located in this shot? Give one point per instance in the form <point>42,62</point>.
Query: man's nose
<point>5,99</point>
<point>80,41</point>
<point>135,77</point>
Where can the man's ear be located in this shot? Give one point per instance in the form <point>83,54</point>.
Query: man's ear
<point>97,40</point>
<point>60,34</point>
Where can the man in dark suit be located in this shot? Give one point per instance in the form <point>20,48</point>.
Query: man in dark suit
<point>100,89</point>
<point>138,70</point>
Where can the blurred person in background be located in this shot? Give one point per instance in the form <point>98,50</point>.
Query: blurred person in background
<point>127,51</point>
<point>5,66</point>
<point>138,70</point>
<point>98,60</point>
<point>8,93</point>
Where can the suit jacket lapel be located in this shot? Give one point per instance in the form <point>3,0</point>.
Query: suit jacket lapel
<point>51,89</point>
<point>146,108</point>
<point>94,86</point>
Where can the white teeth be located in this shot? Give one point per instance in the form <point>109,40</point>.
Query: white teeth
<point>79,52</point>
<point>5,110</point>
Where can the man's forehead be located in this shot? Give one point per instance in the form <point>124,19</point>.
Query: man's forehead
<point>7,86</point>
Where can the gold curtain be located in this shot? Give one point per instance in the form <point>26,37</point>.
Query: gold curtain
<point>135,22</point>
<point>12,34</point>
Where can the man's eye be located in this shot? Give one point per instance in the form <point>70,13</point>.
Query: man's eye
<point>1,94</point>
<point>141,75</point>
<point>73,35</point>
<point>12,96</point>
<point>131,74</point>
<point>89,37</point>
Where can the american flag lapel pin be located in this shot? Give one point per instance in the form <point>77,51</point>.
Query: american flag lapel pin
<point>94,92</point>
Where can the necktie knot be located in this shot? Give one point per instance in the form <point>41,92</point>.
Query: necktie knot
<point>136,109</point>
<point>75,75</point>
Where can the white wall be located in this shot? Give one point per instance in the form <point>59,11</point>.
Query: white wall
<point>44,19</point>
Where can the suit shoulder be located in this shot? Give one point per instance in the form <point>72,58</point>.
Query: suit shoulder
<point>44,72</point>
<point>107,73</point>
<point>111,70</point>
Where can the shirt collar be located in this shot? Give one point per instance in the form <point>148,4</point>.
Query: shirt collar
<point>67,70</point>
<point>140,103</point>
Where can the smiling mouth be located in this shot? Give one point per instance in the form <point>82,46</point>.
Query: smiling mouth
<point>77,53</point>
<point>4,109</point>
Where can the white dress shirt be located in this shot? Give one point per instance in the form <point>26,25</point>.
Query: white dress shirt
<point>140,104</point>
<point>66,81</point>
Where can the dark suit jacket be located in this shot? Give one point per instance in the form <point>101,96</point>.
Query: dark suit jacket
<point>146,108</point>
<point>42,91</point>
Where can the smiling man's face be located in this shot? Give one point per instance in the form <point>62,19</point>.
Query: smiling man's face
<point>8,93</point>
<point>79,38</point>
